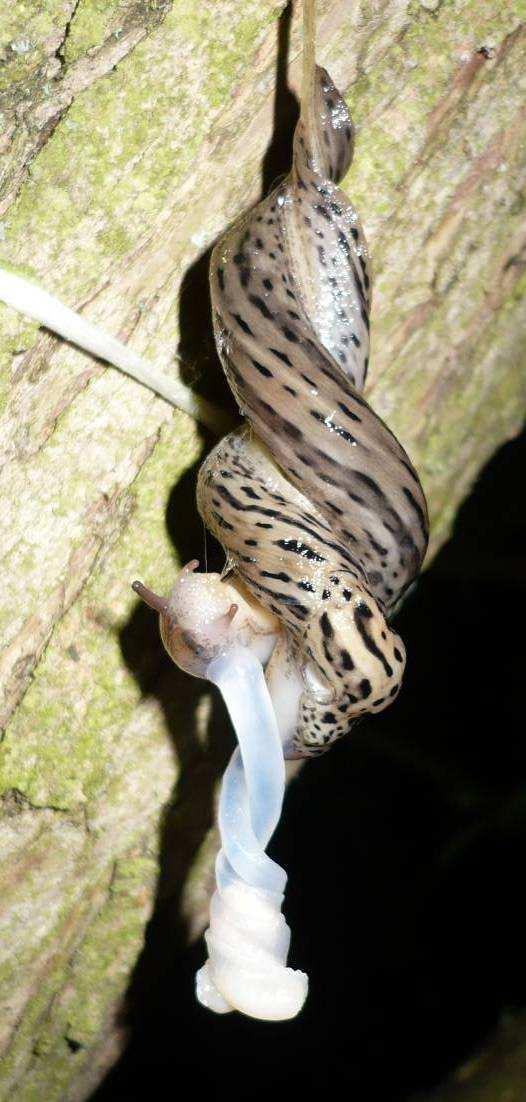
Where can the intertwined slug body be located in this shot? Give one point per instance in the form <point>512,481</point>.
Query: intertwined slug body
<point>319,508</point>
<point>324,524</point>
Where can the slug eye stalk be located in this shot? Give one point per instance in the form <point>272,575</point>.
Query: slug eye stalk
<point>159,604</point>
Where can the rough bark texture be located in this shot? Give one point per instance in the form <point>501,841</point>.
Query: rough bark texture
<point>132,132</point>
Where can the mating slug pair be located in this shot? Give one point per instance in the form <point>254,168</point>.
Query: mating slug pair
<point>317,505</point>
<point>323,520</point>
<point>322,517</point>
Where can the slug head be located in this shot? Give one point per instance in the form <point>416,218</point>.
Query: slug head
<point>204,617</point>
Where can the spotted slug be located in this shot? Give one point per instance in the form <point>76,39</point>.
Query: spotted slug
<point>317,505</point>
<point>319,510</point>
<point>324,524</point>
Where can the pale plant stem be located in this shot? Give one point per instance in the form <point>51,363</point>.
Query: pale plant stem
<point>38,304</point>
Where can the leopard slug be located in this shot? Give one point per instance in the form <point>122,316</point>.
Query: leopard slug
<point>320,512</point>
<point>317,505</point>
<point>324,524</point>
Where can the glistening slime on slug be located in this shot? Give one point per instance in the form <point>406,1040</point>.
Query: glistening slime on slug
<point>324,522</point>
<point>318,507</point>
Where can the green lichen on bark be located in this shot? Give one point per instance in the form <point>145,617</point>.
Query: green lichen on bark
<point>142,127</point>
<point>126,142</point>
<point>91,24</point>
<point>28,32</point>
<point>59,747</point>
<point>98,971</point>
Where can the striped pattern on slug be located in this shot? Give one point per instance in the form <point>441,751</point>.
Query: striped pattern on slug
<point>319,508</point>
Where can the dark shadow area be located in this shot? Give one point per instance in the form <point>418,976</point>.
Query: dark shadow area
<point>277,159</point>
<point>405,849</point>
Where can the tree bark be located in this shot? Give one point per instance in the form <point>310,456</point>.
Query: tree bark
<point>132,133</point>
